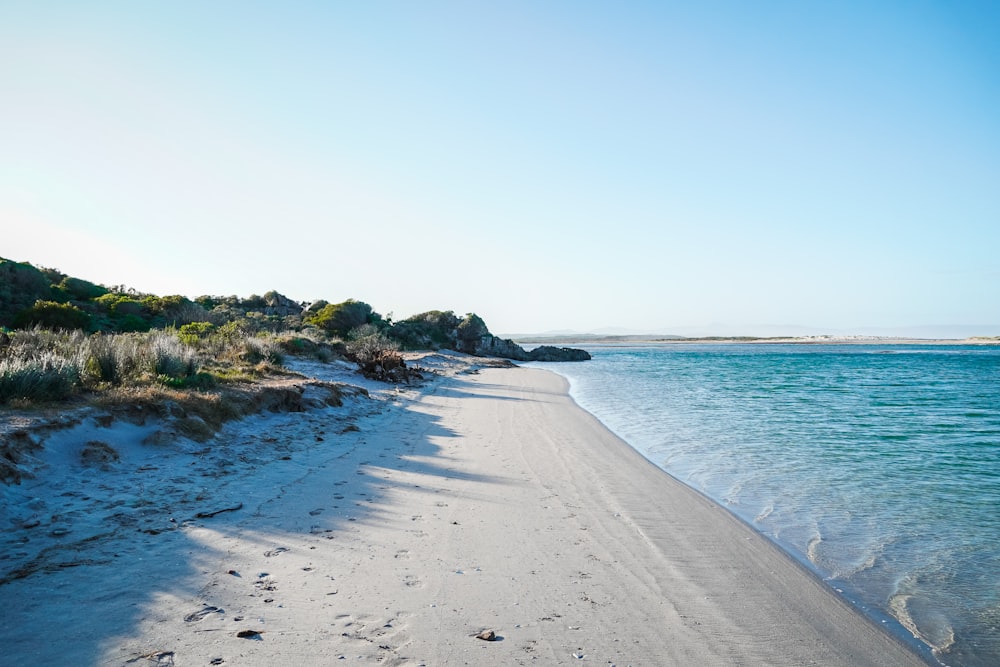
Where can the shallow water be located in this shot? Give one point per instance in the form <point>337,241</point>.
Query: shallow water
<point>878,466</point>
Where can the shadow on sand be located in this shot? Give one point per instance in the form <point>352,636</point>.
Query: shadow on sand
<point>142,533</point>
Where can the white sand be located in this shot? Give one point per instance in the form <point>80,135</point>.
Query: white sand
<point>485,501</point>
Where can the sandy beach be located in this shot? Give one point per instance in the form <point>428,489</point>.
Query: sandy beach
<point>394,530</point>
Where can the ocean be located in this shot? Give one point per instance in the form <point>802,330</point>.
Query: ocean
<point>877,466</point>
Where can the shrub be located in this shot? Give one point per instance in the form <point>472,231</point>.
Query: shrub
<point>174,310</point>
<point>54,316</point>
<point>193,332</point>
<point>27,343</point>
<point>165,356</point>
<point>110,358</point>
<point>304,345</point>
<point>236,329</point>
<point>200,380</point>
<point>431,330</point>
<point>131,323</point>
<point>45,377</point>
<point>21,285</point>
<point>316,306</point>
<point>340,318</point>
<point>117,303</point>
<point>376,355</point>
<point>254,349</point>
<point>81,290</point>
<point>119,311</point>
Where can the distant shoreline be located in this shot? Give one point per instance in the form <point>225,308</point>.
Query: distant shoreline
<point>755,340</point>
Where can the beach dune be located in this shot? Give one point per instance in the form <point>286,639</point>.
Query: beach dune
<point>487,502</point>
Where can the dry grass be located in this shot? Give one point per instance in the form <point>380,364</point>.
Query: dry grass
<point>200,414</point>
<point>40,365</point>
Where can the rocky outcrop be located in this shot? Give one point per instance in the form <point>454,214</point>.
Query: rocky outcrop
<point>443,329</point>
<point>491,346</point>
<point>280,305</point>
<point>550,353</point>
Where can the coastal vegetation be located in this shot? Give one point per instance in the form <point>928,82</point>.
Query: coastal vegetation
<point>62,336</point>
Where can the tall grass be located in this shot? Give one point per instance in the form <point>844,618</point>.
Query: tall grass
<point>45,376</point>
<point>163,354</point>
<point>110,358</point>
<point>40,364</point>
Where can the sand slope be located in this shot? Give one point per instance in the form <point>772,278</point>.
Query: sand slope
<point>485,501</point>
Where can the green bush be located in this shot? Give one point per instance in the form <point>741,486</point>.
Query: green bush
<point>201,380</point>
<point>340,318</point>
<point>118,311</point>
<point>81,290</point>
<point>316,306</point>
<point>131,323</point>
<point>434,329</point>
<point>118,303</point>
<point>21,285</point>
<point>53,315</point>
<point>235,330</point>
<point>193,332</point>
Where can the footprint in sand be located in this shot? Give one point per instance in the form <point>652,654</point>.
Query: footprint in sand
<point>160,658</point>
<point>202,613</point>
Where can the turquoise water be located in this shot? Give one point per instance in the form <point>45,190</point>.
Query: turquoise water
<point>878,466</point>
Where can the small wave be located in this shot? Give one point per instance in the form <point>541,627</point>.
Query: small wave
<point>812,549</point>
<point>764,513</point>
<point>899,607</point>
<point>732,496</point>
<point>867,564</point>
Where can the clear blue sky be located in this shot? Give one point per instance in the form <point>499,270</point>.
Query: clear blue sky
<point>549,165</point>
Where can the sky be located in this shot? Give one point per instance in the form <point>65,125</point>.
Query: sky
<point>719,167</point>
